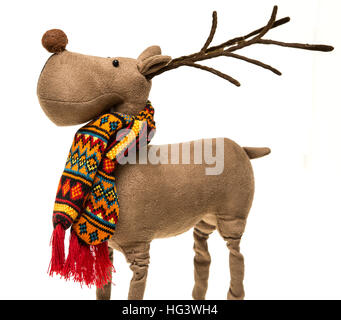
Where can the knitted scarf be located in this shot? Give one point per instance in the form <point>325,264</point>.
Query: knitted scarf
<point>87,197</point>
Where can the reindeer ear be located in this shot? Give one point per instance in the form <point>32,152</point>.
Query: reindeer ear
<point>151,60</point>
<point>153,64</point>
<point>149,52</point>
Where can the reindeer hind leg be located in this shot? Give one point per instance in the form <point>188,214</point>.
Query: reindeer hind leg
<point>202,259</point>
<point>231,231</point>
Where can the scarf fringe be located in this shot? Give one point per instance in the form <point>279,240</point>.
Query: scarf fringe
<point>58,251</point>
<point>87,264</point>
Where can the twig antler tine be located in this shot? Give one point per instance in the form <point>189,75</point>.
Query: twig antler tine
<point>216,72</point>
<point>268,26</point>
<point>256,38</point>
<point>212,32</point>
<point>313,47</point>
<point>276,24</point>
<point>253,61</point>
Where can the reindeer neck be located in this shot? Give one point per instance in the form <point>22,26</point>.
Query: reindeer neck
<point>128,108</point>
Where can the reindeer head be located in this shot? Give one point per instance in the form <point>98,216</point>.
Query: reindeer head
<point>74,88</point>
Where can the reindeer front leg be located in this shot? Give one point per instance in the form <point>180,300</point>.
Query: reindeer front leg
<point>138,257</point>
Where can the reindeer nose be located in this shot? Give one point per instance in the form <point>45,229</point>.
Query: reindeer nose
<point>115,63</point>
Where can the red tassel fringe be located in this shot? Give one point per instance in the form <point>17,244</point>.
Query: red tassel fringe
<point>103,266</point>
<point>58,251</point>
<point>86,264</point>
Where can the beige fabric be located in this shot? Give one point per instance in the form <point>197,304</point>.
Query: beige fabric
<point>74,88</point>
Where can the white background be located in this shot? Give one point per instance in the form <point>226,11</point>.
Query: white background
<point>292,240</point>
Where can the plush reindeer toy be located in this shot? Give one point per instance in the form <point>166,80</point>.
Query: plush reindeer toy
<point>111,205</point>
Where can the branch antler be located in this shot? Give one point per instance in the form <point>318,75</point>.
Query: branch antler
<point>227,49</point>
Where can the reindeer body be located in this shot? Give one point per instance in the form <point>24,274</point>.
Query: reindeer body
<point>180,195</point>
<point>159,201</point>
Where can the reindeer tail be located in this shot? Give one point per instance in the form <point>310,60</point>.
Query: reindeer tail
<point>254,153</point>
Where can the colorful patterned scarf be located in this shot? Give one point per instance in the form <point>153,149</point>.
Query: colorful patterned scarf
<point>87,197</point>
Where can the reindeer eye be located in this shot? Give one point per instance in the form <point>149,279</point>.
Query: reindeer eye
<point>115,63</point>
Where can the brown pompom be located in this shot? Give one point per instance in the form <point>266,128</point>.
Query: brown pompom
<point>54,40</point>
